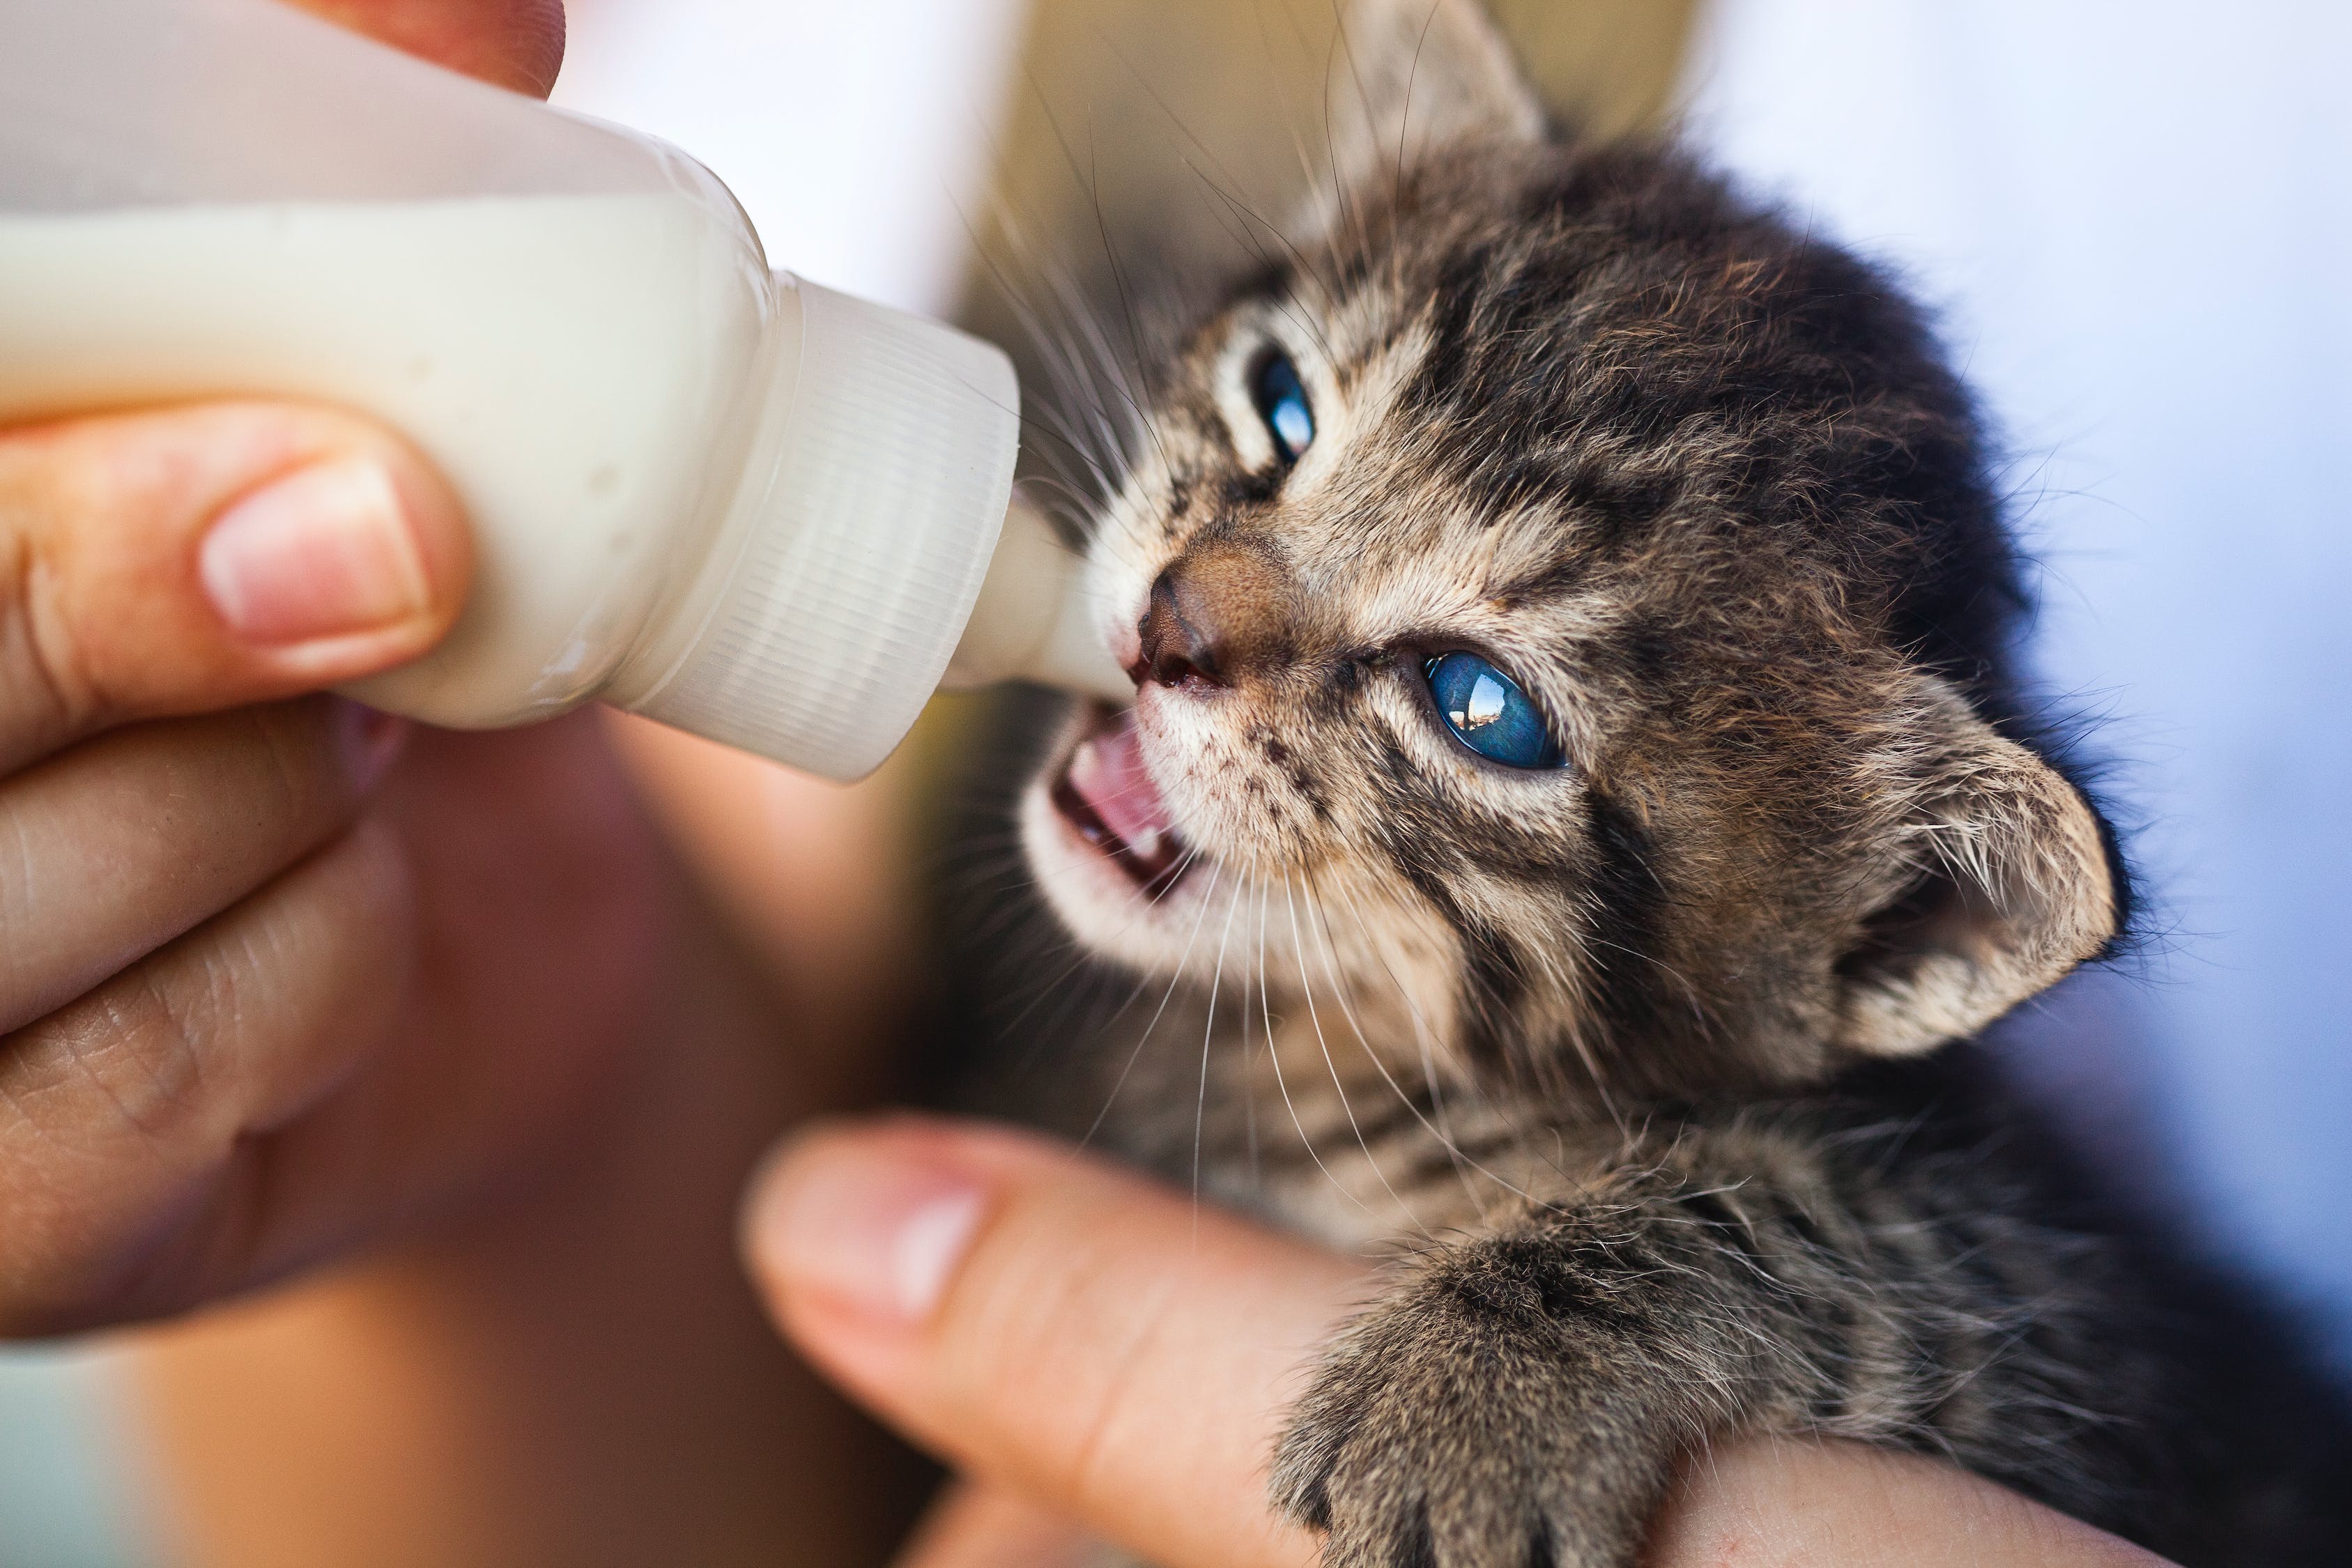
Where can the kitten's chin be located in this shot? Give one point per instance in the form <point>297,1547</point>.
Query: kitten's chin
<point>1106,849</point>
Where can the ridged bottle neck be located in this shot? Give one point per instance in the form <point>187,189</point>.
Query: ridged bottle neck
<point>1036,618</point>
<point>874,486</point>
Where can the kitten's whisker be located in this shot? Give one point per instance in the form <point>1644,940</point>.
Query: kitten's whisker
<point>1442,1124</point>
<point>1143,981</point>
<point>1085,954</point>
<point>1078,357</point>
<point>1058,492</point>
<point>1304,266</point>
<point>1248,1078</point>
<point>1306,988</point>
<point>1176,980</point>
<point>993,882</point>
<point>1424,1042</point>
<point>1229,191</point>
<point>1063,365</point>
<point>1444,1137</point>
<point>1404,120</point>
<point>1275,81</point>
<point>1088,335</point>
<point>1339,193</point>
<point>1425,1035</point>
<point>1274,1059</point>
<point>1208,1033</point>
<point>1059,346</point>
<point>1091,329</point>
<point>1568,986</point>
<point>1092,190</point>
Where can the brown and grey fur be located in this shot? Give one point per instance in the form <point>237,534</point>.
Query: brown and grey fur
<point>1629,1063</point>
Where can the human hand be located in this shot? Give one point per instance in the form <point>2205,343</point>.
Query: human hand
<point>287,984</point>
<point>1095,1356</point>
<point>268,988</point>
<point>263,994</point>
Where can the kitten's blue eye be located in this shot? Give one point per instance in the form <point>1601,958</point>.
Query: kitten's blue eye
<point>1488,711</point>
<point>1282,403</point>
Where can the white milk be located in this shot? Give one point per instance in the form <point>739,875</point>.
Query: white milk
<point>580,367</point>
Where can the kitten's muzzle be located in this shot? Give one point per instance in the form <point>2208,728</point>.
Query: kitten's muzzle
<point>1219,613</point>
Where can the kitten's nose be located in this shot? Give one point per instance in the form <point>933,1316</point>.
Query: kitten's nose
<point>1213,616</point>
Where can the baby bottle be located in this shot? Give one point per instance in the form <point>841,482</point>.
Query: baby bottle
<point>702,490</point>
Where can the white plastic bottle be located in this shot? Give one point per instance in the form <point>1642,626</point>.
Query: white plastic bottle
<point>701,490</point>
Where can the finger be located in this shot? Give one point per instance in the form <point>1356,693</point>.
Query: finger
<point>135,1123</point>
<point>1055,1326</point>
<point>979,1526</point>
<point>1052,1327</point>
<point>192,559</point>
<point>516,44</point>
<point>1778,1503</point>
<point>122,843</point>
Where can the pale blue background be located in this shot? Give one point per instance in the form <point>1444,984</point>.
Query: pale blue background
<point>69,1496</point>
<point>2138,221</point>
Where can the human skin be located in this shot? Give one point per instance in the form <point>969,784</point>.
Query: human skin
<point>1095,1355</point>
<point>431,1063</point>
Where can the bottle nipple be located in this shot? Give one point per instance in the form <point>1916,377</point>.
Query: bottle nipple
<point>1032,621</point>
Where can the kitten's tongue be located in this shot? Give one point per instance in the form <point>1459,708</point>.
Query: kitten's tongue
<point>1107,773</point>
<point>1106,794</point>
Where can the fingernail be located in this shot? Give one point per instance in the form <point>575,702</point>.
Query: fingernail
<point>325,551</point>
<point>880,1232</point>
<point>372,741</point>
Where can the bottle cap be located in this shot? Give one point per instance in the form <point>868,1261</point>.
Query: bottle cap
<point>858,544</point>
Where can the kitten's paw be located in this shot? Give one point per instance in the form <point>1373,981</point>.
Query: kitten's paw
<point>1473,1421</point>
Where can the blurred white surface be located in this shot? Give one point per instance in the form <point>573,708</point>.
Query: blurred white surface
<point>858,136</point>
<point>2138,221</point>
<point>68,1488</point>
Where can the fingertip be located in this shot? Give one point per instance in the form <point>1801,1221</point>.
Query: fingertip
<point>857,1233</point>
<point>1049,1322</point>
<point>868,1221</point>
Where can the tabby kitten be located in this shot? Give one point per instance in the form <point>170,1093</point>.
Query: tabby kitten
<point>1573,783</point>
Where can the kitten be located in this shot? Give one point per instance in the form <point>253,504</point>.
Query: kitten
<point>1575,795</point>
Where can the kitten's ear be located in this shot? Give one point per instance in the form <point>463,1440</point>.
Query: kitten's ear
<point>2006,884</point>
<point>1410,75</point>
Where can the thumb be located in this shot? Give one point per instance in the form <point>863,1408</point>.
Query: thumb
<point>1114,1352</point>
<point>200,558</point>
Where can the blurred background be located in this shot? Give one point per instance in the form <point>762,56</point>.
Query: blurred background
<point>2137,225</point>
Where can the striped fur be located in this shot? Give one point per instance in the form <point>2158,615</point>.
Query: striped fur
<point>1629,1064</point>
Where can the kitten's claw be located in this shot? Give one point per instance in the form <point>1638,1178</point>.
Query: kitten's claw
<point>1451,1429</point>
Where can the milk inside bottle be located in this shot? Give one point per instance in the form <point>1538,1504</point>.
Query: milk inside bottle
<point>701,490</point>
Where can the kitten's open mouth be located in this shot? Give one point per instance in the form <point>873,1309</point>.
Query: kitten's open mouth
<point>1107,795</point>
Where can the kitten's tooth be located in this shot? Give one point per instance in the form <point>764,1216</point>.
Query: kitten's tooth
<point>1145,844</point>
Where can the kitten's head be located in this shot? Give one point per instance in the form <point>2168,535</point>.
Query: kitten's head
<point>1567,606</point>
